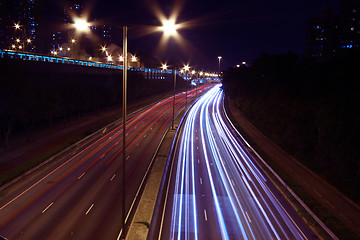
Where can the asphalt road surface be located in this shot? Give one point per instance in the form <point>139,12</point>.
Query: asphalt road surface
<point>80,196</point>
<point>216,190</point>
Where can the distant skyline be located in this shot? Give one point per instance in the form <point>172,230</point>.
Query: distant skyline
<point>237,30</point>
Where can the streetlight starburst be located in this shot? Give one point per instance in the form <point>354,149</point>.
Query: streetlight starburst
<point>169,27</point>
<point>81,25</point>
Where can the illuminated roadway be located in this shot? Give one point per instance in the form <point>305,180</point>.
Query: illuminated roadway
<point>80,196</point>
<point>216,190</point>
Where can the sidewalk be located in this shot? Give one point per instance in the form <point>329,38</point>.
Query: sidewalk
<point>329,197</point>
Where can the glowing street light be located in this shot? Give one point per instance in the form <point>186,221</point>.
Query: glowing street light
<point>134,59</point>
<point>163,68</point>
<point>17,40</point>
<point>73,40</point>
<point>81,25</point>
<point>186,69</point>
<point>17,26</point>
<point>28,40</point>
<point>121,58</point>
<point>60,49</point>
<point>13,46</point>
<point>103,48</point>
<point>109,58</point>
<point>169,27</point>
<point>219,57</point>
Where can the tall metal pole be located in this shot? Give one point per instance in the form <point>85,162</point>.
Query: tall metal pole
<point>124,126</point>
<point>186,86</point>
<point>219,57</point>
<point>173,114</point>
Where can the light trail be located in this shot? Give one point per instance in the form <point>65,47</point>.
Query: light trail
<point>89,177</point>
<point>240,203</point>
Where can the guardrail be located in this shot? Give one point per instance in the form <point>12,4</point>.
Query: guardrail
<point>27,56</point>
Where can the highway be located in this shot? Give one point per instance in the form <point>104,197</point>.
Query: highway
<point>216,189</point>
<point>80,196</point>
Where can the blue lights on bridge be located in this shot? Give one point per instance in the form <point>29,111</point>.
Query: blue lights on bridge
<point>149,73</point>
<point>44,58</point>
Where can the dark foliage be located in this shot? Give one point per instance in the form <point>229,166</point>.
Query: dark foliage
<point>311,109</point>
<point>35,95</point>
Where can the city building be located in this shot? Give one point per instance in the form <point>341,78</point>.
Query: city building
<point>18,25</point>
<point>329,35</point>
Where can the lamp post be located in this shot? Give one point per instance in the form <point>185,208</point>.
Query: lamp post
<point>169,28</point>
<point>219,57</point>
<point>163,69</point>
<point>125,63</point>
<point>186,69</point>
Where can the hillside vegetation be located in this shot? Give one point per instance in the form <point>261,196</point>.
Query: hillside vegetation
<point>310,109</point>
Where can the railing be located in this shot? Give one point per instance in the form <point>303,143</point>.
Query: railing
<point>149,73</point>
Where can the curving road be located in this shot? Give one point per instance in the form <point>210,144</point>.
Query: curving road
<point>80,196</point>
<point>216,190</point>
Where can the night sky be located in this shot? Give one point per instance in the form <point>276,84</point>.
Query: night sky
<point>238,30</point>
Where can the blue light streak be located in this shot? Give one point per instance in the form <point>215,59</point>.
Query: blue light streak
<point>237,187</point>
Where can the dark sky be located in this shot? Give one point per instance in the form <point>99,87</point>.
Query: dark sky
<point>238,30</point>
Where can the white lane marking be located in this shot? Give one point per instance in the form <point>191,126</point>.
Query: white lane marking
<point>197,138</point>
<point>197,148</point>
<point>317,193</point>
<point>145,135</point>
<point>233,182</point>
<point>248,216</point>
<point>137,145</point>
<point>198,161</point>
<point>330,204</point>
<point>116,143</point>
<point>200,181</point>
<point>128,157</point>
<point>89,209</point>
<point>81,175</point>
<point>102,156</point>
<point>205,215</point>
<point>47,207</point>
<point>112,177</point>
<point>109,137</point>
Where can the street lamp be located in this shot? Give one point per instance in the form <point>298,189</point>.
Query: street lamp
<point>163,69</point>
<point>169,27</point>
<point>81,25</point>
<point>219,57</point>
<point>125,63</point>
<point>186,69</point>
<point>168,30</point>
